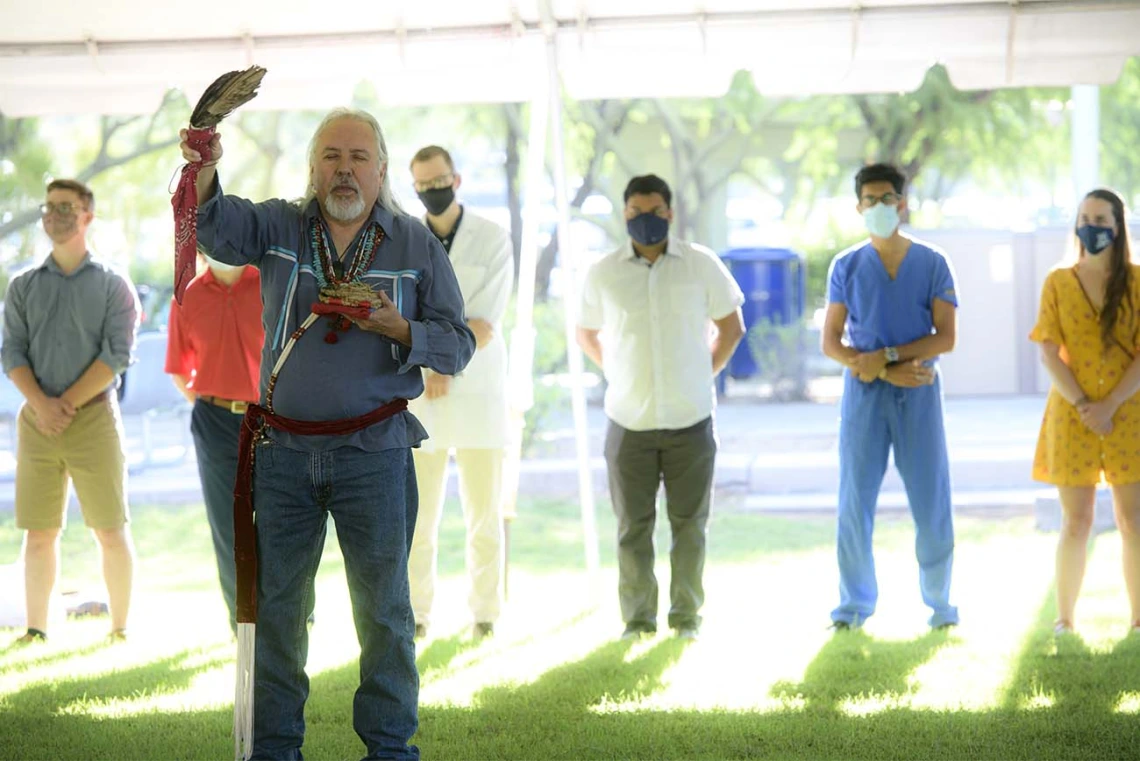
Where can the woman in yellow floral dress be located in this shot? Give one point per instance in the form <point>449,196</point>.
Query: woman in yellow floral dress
<point>1089,331</point>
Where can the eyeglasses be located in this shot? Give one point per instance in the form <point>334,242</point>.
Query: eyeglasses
<point>890,199</point>
<point>64,209</point>
<point>435,183</point>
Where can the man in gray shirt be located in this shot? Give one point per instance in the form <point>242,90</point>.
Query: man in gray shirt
<point>69,329</point>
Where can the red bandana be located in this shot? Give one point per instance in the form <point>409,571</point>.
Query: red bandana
<point>185,204</point>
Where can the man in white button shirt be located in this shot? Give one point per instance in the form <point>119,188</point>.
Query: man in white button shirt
<point>644,320</point>
<point>468,412</point>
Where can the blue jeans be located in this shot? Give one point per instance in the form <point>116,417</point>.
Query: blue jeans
<point>877,418</point>
<point>372,497</point>
<point>215,431</point>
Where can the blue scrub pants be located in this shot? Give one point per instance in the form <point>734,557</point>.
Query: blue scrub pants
<point>874,418</point>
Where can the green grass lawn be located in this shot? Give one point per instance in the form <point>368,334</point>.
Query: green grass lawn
<point>766,679</point>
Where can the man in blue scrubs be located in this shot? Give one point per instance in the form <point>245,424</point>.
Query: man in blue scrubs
<point>894,296</point>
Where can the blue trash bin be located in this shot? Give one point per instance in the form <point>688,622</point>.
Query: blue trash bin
<point>774,284</point>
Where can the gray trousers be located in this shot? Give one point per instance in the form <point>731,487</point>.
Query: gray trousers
<point>637,463</point>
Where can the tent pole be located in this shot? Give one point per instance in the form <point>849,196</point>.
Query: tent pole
<point>1085,147</point>
<point>569,280</point>
<point>520,380</point>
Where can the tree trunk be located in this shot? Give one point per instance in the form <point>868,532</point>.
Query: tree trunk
<point>103,160</point>
<point>606,127</point>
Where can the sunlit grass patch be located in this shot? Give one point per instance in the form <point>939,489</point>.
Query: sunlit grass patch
<point>766,679</point>
<point>1129,703</point>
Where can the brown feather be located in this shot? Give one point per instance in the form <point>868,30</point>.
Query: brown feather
<point>226,93</point>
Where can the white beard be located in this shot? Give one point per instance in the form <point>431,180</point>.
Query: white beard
<point>344,211</point>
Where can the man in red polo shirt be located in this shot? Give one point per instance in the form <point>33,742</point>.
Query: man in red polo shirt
<point>213,353</point>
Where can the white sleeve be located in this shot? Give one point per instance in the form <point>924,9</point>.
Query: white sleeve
<point>591,315</point>
<point>724,295</point>
<point>490,301</point>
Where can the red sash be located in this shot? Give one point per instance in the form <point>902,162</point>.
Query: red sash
<point>245,534</point>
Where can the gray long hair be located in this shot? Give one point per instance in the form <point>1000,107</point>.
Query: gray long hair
<point>386,198</point>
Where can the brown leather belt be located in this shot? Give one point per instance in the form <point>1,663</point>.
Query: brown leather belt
<point>233,405</point>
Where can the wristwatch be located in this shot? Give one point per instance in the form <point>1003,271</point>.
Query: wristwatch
<point>891,353</point>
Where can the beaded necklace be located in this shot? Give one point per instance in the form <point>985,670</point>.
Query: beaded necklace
<point>329,281</point>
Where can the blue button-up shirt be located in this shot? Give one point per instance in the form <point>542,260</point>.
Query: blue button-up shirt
<point>362,370</point>
<point>58,324</point>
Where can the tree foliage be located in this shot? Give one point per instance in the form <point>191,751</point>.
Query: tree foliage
<point>799,151</point>
<point>1120,133</point>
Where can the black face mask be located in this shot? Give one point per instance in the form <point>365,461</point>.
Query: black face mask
<point>437,200</point>
<point>1096,239</point>
<point>648,229</point>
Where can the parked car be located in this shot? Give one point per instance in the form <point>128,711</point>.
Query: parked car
<point>145,386</point>
<point>155,304</point>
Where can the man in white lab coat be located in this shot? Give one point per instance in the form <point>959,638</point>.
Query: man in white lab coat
<point>466,413</point>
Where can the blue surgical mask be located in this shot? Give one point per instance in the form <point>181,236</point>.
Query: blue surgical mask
<point>881,220</point>
<point>648,229</point>
<point>1095,239</point>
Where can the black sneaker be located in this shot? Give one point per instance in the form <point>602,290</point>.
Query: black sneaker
<point>482,630</point>
<point>33,635</point>
<point>421,631</point>
<point>842,626</point>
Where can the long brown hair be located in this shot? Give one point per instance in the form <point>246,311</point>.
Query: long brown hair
<point>1118,291</point>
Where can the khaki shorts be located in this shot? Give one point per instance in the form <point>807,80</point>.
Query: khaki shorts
<point>90,451</point>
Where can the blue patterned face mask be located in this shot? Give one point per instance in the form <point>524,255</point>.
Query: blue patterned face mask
<point>1095,239</point>
<point>881,220</point>
<point>648,229</point>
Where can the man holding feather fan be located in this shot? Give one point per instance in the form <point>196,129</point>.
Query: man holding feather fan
<point>331,434</point>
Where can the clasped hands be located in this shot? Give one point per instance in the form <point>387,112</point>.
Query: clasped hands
<point>1097,416</point>
<point>53,415</point>
<point>871,365</point>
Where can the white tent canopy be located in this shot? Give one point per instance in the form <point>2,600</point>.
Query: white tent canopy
<point>83,57</point>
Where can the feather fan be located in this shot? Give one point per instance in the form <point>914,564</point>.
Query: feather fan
<point>227,93</point>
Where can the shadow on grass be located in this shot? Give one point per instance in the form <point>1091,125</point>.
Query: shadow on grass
<point>35,654</point>
<point>576,711</point>
<point>1063,677</point>
<point>853,664</point>
<point>587,710</point>
<point>48,720</point>
<point>1060,703</point>
<point>607,674</point>
<point>441,652</point>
